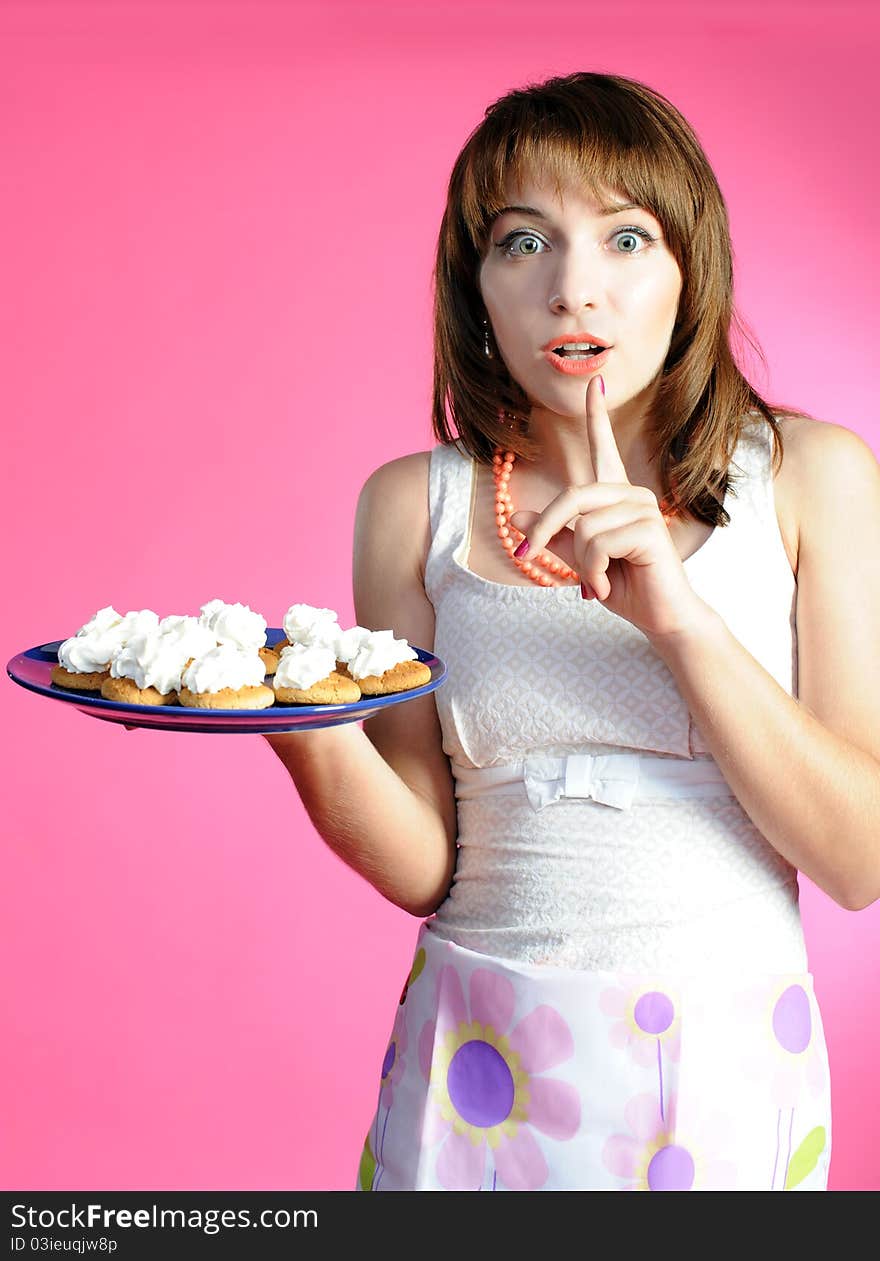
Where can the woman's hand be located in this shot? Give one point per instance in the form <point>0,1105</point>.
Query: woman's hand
<point>620,544</point>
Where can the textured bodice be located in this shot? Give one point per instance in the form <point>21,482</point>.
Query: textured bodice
<point>538,670</point>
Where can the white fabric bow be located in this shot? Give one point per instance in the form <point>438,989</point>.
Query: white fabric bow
<point>611,779</point>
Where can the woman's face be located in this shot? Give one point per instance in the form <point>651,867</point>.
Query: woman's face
<point>570,269</point>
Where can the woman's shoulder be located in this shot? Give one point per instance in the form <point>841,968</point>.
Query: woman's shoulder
<point>401,475</point>
<point>808,445</point>
<point>393,513</point>
<point>810,448</point>
<point>406,474</point>
<point>398,500</point>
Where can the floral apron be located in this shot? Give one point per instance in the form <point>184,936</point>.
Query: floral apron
<point>508,1076</point>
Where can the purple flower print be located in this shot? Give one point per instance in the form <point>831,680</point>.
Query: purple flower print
<point>395,1058</point>
<point>646,1023</point>
<point>486,1095</point>
<point>788,1054</point>
<point>655,1157</point>
<point>642,1017</point>
<point>393,1068</point>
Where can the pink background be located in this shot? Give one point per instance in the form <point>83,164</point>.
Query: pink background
<point>220,221</point>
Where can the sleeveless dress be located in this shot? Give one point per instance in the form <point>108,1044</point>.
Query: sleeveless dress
<point>614,994</point>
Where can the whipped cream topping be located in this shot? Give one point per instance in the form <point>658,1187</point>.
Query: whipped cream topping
<point>380,652</point>
<point>157,657</point>
<point>100,621</point>
<point>347,642</point>
<point>225,665</point>
<point>96,643</point>
<point>301,665</point>
<point>192,629</point>
<point>304,624</point>
<point>234,624</point>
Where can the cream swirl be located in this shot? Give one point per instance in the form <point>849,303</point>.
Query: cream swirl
<point>379,653</point>
<point>301,665</point>
<point>95,644</point>
<point>225,665</point>
<point>234,624</point>
<point>184,626</point>
<point>100,621</point>
<point>157,657</point>
<point>347,642</point>
<point>304,624</point>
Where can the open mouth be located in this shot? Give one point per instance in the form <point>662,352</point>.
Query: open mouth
<point>574,351</point>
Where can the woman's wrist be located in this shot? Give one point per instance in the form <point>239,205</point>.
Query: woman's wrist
<point>701,622</point>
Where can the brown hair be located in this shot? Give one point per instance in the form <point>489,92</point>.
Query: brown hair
<point>609,133</point>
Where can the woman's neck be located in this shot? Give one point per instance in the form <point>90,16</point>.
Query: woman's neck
<point>564,457</point>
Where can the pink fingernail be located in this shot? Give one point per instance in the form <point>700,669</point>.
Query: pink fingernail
<point>522,549</point>
<point>601,385</point>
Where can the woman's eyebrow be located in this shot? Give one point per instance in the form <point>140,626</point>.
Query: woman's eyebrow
<point>538,214</point>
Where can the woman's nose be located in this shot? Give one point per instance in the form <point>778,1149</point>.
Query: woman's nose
<point>575,284</point>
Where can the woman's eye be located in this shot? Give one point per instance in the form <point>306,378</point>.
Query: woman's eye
<point>516,238</point>
<point>623,233</point>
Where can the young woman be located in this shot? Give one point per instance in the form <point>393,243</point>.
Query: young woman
<point>657,599</point>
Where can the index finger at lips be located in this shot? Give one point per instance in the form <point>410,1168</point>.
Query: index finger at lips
<point>607,463</point>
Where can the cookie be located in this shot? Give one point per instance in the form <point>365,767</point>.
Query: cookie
<point>258,696</point>
<point>400,678</point>
<point>127,690</point>
<point>336,689</point>
<point>271,656</point>
<point>80,682</point>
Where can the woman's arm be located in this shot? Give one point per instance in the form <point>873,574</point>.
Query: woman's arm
<point>382,796</point>
<point>807,771</point>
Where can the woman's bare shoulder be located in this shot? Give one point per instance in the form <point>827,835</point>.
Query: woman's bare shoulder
<point>402,475</point>
<point>808,445</point>
<point>811,445</point>
<point>393,508</point>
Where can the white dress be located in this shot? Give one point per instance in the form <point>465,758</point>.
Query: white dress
<point>615,992</point>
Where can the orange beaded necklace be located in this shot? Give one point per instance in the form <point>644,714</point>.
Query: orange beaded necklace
<point>557,571</point>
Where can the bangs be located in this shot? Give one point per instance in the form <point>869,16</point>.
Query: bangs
<point>609,158</point>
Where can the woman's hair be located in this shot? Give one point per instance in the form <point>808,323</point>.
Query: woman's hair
<point>606,133</point>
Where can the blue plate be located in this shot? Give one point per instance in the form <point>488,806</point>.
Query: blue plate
<point>33,669</point>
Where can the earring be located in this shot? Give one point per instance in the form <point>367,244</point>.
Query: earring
<point>486,349</point>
